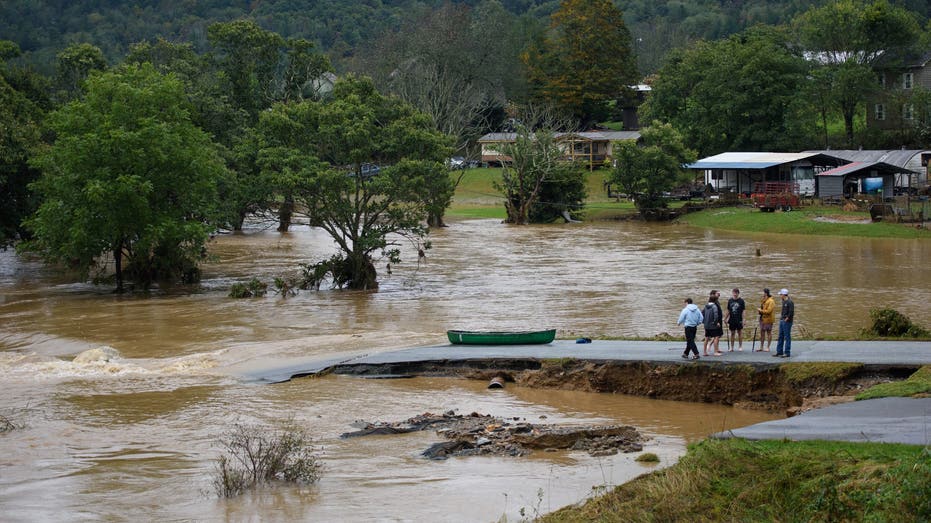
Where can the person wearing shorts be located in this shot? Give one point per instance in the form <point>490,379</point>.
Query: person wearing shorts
<point>714,329</point>
<point>767,312</point>
<point>734,316</point>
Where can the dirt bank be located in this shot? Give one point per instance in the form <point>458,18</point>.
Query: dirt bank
<point>785,387</point>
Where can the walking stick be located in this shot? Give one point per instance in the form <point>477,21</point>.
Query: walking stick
<point>753,346</point>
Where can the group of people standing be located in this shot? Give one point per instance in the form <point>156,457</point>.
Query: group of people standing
<point>713,318</point>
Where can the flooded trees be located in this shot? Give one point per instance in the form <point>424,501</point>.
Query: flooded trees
<point>537,168</point>
<point>364,167</point>
<point>129,176</point>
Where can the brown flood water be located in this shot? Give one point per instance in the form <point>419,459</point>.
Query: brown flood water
<point>135,436</point>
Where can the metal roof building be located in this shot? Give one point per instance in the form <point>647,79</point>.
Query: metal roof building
<point>846,180</point>
<point>914,160</point>
<point>740,171</point>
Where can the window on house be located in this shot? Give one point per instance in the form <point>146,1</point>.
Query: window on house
<point>907,80</point>
<point>880,112</point>
<point>882,80</point>
<point>908,112</point>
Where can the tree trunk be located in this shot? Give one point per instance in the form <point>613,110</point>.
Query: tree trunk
<point>118,264</point>
<point>435,220</point>
<point>848,124</point>
<point>285,212</point>
<point>240,219</point>
<point>364,276</point>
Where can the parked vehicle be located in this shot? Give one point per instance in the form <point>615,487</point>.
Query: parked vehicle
<point>769,196</point>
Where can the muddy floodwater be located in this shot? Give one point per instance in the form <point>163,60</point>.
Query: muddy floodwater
<point>134,435</point>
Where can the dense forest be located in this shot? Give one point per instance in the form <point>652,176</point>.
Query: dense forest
<point>341,28</point>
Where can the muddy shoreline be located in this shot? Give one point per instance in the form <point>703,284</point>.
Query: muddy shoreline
<point>771,387</point>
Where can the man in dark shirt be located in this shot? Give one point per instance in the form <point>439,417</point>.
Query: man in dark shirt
<point>734,316</point>
<point>785,325</point>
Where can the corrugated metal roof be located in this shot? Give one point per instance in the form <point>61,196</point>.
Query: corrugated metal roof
<point>846,169</point>
<point>897,157</point>
<point>597,136</point>
<point>882,167</point>
<point>750,160</point>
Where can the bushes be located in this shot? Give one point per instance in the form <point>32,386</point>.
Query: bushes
<point>6,425</point>
<point>254,455</point>
<point>253,289</point>
<point>892,323</point>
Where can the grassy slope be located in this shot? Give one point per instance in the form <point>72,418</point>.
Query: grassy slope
<point>917,383</point>
<point>801,221</point>
<point>476,197</point>
<point>740,480</point>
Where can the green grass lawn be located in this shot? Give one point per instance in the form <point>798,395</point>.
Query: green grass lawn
<point>740,480</point>
<point>476,197</point>
<point>827,221</point>
<point>917,383</point>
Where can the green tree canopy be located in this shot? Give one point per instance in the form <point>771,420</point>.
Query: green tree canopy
<point>738,94</point>
<point>848,37</point>
<point>128,176</point>
<point>363,166</point>
<point>20,121</point>
<point>652,168</point>
<point>585,61</point>
<point>74,64</point>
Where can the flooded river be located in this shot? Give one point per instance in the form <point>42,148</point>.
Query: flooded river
<point>135,437</point>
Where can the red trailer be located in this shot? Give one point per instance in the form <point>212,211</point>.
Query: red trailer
<point>769,196</point>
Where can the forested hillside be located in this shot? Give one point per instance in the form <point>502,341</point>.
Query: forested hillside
<point>42,28</point>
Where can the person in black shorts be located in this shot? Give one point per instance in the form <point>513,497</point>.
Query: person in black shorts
<point>714,329</point>
<point>734,316</point>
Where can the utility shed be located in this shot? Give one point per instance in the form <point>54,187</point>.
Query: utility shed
<point>847,180</point>
<point>915,162</point>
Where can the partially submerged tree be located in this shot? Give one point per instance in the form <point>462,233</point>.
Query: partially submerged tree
<point>128,176</point>
<point>655,167</point>
<point>534,167</point>
<point>364,167</point>
<point>254,68</point>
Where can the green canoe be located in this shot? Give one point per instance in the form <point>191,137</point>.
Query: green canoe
<point>501,338</point>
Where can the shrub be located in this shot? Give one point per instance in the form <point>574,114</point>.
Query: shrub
<point>890,322</point>
<point>648,457</point>
<point>6,425</point>
<point>253,289</point>
<point>254,455</point>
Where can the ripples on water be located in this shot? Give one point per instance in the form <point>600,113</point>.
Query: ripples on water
<point>133,434</point>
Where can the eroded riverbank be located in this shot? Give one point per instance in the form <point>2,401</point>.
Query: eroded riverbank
<point>780,388</point>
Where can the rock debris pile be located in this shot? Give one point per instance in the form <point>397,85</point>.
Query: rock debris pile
<point>481,434</point>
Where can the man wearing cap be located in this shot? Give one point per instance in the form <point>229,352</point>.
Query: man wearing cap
<point>785,325</point>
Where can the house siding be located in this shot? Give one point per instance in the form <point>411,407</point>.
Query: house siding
<point>893,94</point>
